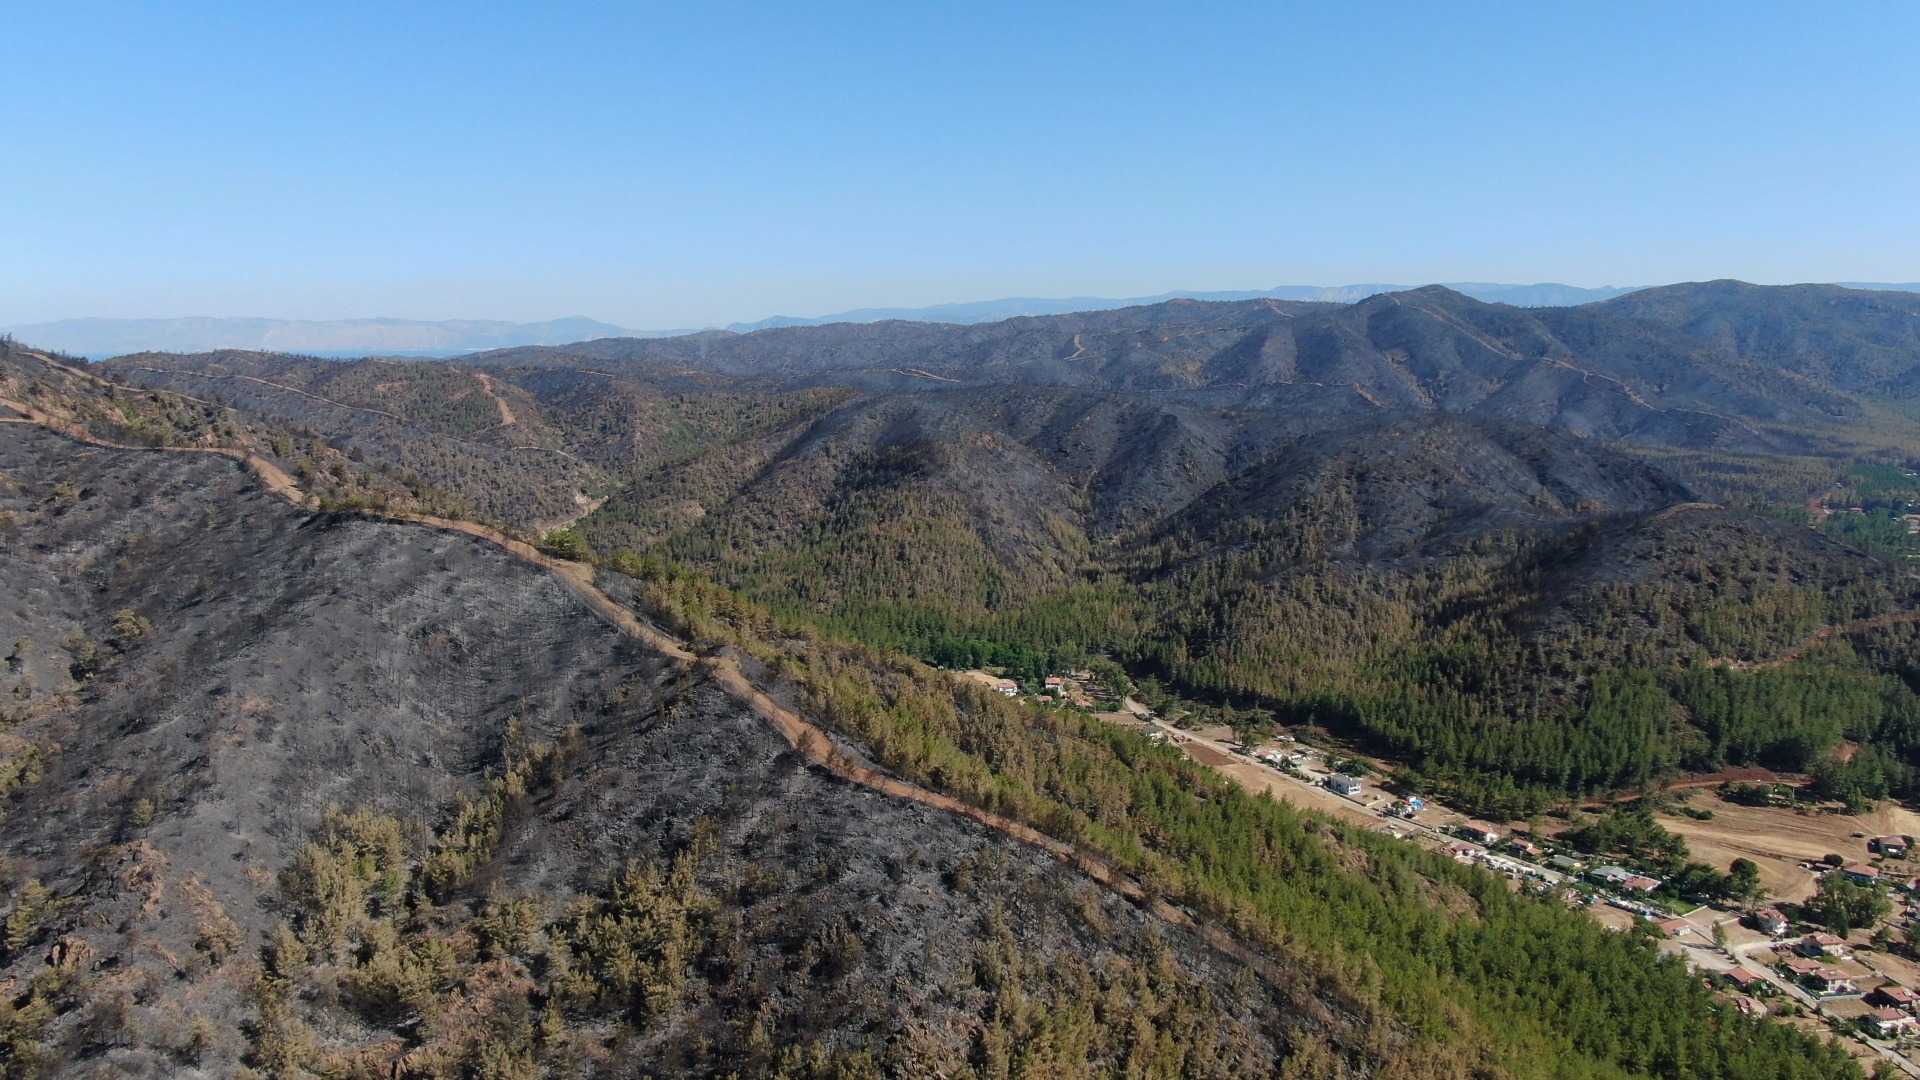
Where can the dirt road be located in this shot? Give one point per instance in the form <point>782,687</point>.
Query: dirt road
<point>276,386</point>
<point>1825,633</point>
<point>507,419</point>
<point>272,476</point>
<point>1308,794</point>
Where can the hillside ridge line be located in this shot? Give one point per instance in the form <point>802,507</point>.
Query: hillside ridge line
<point>811,741</point>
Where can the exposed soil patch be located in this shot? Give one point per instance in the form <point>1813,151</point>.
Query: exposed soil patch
<point>1779,839</point>
<point>507,419</point>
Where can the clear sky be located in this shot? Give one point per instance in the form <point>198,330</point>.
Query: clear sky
<point>695,163</point>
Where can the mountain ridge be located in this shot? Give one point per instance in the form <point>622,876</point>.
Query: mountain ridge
<point>1545,294</point>
<point>98,337</point>
<point>1599,369</point>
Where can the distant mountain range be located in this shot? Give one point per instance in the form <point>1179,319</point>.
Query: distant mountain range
<point>1544,294</point>
<point>1696,365</point>
<point>1548,294</point>
<point>98,338</point>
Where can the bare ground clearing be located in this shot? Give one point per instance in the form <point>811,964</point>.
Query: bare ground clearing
<point>1778,839</point>
<point>983,678</point>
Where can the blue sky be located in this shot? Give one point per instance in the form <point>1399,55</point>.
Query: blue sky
<point>688,164</point>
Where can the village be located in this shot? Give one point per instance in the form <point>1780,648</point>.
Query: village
<point>1764,956</point>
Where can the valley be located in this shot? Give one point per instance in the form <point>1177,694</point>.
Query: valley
<point>602,673</point>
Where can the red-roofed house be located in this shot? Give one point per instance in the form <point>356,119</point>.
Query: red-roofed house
<point>1831,981</point>
<point>1641,883</point>
<point>1770,921</point>
<point>1822,944</point>
<point>1889,1022</point>
<point>1479,832</point>
<point>1742,979</point>
<point>1801,968</point>
<point>1898,997</point>
<point>1894,846</point>
<point>1863,873</point>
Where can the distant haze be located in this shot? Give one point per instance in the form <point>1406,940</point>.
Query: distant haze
<point>337,337</point>
<point>98,337</point>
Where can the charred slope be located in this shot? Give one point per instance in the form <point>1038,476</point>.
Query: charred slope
<point>1433,348</point>
<point>981,500</point>
<point>1358,540</point>
<point>487,447</point>
<point>1720,365</point>
<point>199,672</point>
<point>1209,386</point>
<point>1849,339</point>
<point>1409,581</point>
<point>1644,368</point>
<point>527,448</point>
<point>1423,485</point>
<point>1161,346</point>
